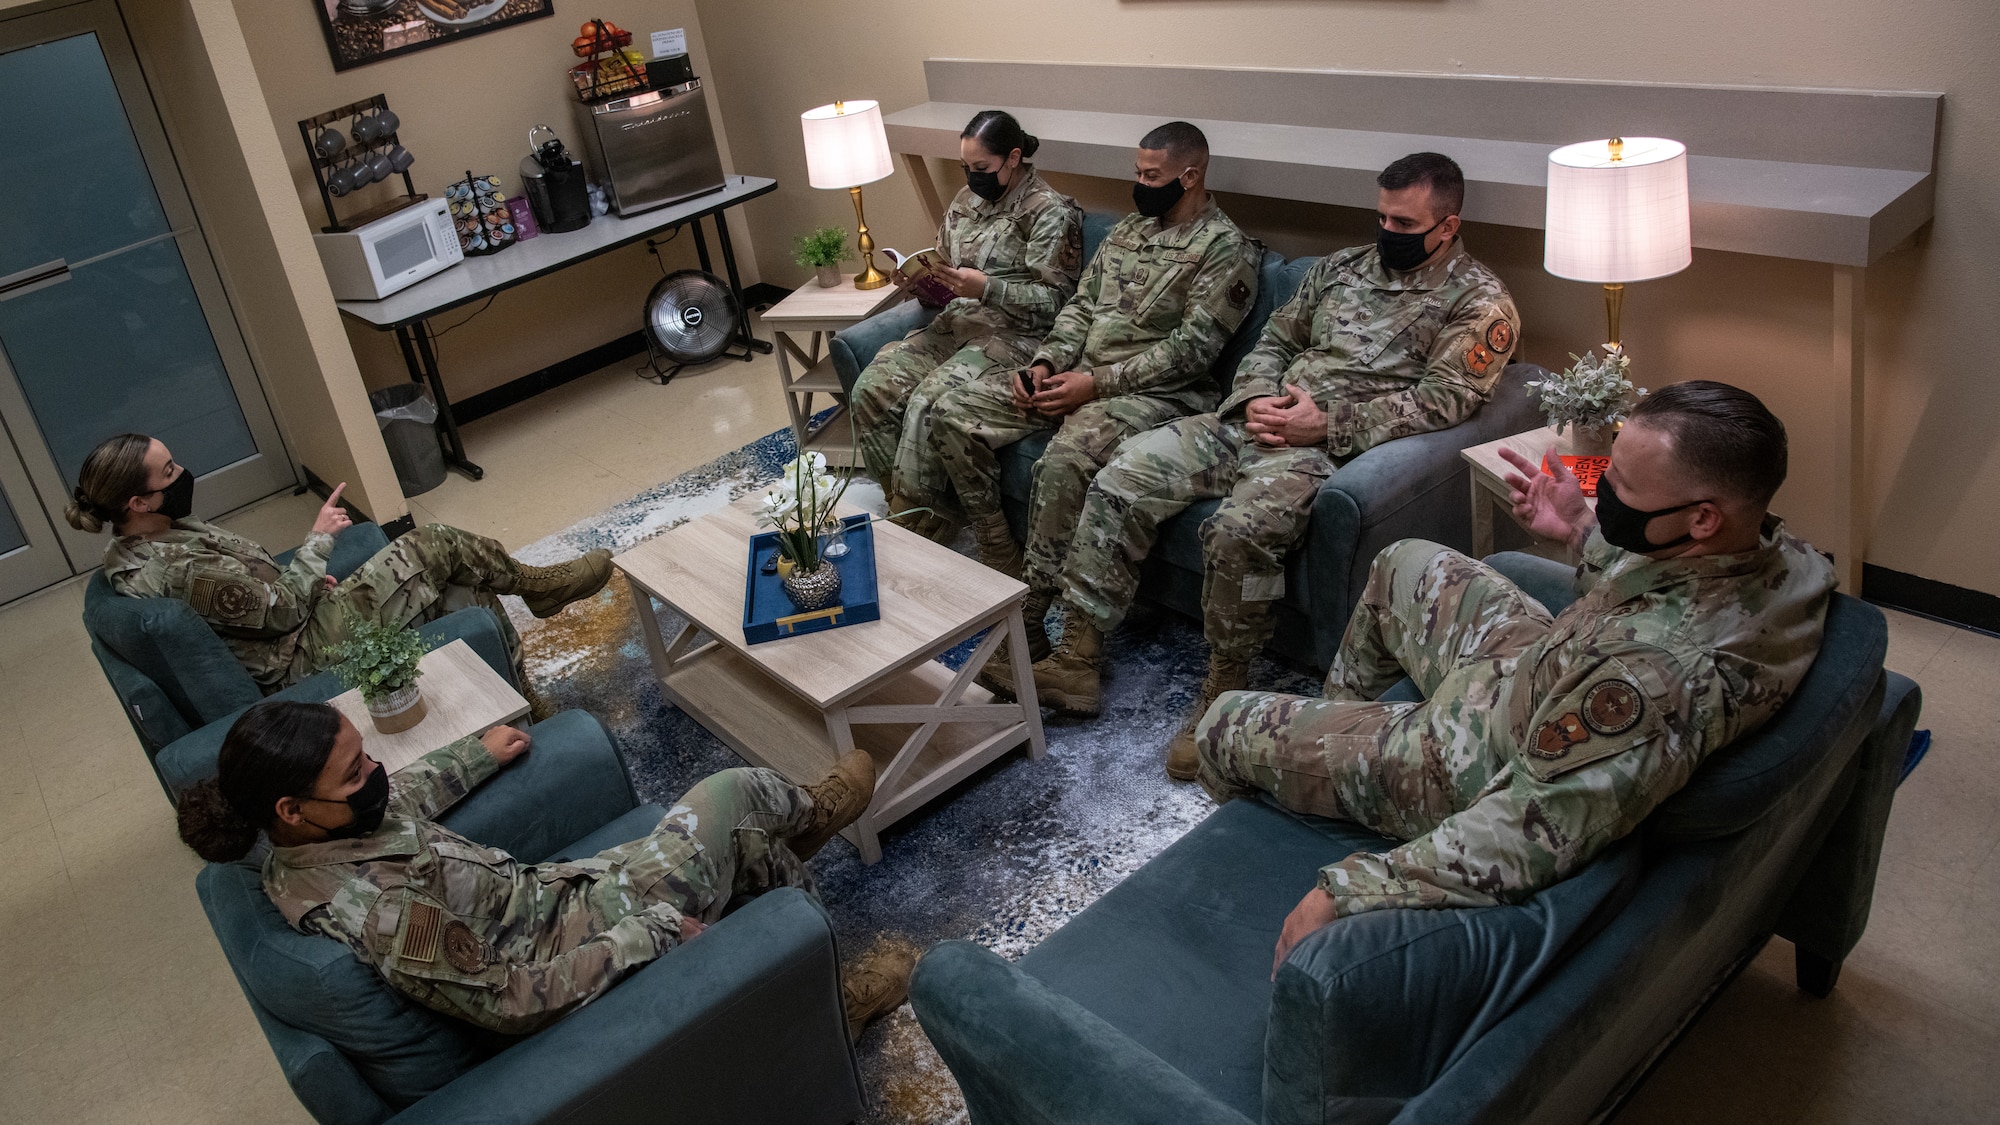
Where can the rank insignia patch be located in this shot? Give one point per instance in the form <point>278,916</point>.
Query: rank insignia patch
<point>1500,336</point>
<point>462,948</point>
<point>1613,707</point>
<point>1239,294</point>
<point>1554,738</point>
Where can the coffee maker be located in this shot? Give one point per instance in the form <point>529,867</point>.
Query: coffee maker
<point>555,184</point>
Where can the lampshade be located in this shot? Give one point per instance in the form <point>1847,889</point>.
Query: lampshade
<point>845,145</point>
<point>1618,210</point>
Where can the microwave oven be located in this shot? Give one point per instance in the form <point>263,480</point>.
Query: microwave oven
<point>393,252</point>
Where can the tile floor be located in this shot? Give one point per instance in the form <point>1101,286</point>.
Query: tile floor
<point>119,1007</point>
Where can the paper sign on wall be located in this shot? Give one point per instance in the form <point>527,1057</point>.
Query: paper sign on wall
<point>667,44</point>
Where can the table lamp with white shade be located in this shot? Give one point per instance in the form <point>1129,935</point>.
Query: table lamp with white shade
<point>1618,213</point>
<point>845,148</point>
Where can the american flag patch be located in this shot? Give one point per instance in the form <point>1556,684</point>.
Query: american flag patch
<point>422,933</point>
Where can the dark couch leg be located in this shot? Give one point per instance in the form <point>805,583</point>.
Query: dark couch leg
<point>1816,975</point>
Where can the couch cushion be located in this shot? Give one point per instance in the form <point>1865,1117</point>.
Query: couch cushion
<point>1178,956</point>
<point>1740,783</point>
<point>164,640</point>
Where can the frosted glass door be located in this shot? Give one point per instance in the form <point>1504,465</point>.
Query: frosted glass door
<point>112,317</point>
<point>31,556</point>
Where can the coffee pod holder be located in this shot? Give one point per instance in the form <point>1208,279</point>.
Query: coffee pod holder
<point>324,165</point>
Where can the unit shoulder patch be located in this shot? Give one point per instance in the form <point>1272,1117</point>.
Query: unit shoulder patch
<point>1478,359</point>
<point>1556,737</point>
<point>1613,707</point>
<point>1500,336</point>
<point>463,948</point>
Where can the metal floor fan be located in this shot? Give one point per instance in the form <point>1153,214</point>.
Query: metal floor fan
<point>691,318</point>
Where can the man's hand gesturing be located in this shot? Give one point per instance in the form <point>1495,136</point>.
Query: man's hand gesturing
<point>1549,503</point>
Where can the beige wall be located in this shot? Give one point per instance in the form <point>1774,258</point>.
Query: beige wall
<point>467,106</point>
<point>1934,463</point>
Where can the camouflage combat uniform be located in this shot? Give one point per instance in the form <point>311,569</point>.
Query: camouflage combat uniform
<point>1029,244</point>
<point>472,932</point>
<point>1544,740</point>
<point>1155,308</point>
<point>1385,354</point>
<point>278,621</point>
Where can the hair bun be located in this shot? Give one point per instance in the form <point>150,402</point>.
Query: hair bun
<point>1029,143</point>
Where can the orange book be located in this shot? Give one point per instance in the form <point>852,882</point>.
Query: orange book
<point>1586,469</point>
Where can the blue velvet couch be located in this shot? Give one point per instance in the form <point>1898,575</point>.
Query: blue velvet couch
<point>1415,487</point>
<point>744,1024</point>
<point>1156,1003</point>
<point>173,675</point>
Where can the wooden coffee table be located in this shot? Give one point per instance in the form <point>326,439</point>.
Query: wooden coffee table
<point>462,696</point>
<point>796,704</point>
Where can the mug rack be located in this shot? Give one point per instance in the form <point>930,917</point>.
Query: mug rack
<point>321,165</point>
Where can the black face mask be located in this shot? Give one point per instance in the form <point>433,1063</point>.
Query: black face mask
<point>985,185</point>
<point>369,804</point>
<point>1154,200</point>
<point>1403,250</point>
<point>1625,526</point>
<point>177,499</point>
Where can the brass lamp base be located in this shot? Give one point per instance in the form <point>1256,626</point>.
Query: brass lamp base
<point>869,277</point>
<point>1614,304</point>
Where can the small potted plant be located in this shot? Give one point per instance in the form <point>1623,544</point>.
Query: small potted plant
<point>381,662</point>
<point>800,505</point>
<point>1586,403</point>
<point>822,252</point>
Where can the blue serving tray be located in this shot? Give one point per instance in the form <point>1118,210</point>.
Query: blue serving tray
<point>768,613</point>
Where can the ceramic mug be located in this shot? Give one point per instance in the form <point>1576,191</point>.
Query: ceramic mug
<point>400,159</point>
<point>380,167</point>
<point>363,130</point>
<point>329,143</point>
<point>338,181</point>
<point>386,122</point>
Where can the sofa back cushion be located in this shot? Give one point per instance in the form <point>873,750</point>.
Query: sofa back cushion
<point>164,640</point>
<point>1277,282</point>
<point>1367,1012</point>
<point>1741,783</point>
<point>317,985</point>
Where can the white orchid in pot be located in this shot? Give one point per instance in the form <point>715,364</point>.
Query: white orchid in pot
<point>1586,403</point>
<point>800,505</point>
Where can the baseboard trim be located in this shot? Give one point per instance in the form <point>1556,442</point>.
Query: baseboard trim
<point>1927,597</point>
<point>495,399</point>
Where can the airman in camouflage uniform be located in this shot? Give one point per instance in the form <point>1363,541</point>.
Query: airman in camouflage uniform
<point>1155,308</point>
<point>1029,244</point>
<point>1543,740</point>
<point>1383,353</point>
<point>474,933</point>
<point>279,621</point>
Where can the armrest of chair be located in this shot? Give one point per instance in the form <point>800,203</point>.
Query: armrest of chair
<point>1828,910</point>
<point>571,781</point>
<point>1022,1052</point>
<point>354,546</point>
<point>742,1024</point>
<point>854,347</point>
<point>1547,581</point>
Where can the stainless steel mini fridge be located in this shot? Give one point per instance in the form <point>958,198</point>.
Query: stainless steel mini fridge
<point>652,149</point>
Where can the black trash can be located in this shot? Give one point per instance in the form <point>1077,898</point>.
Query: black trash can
<point>408,419</point>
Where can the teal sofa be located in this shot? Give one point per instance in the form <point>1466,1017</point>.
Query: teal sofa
<point>1413,488</point>
<point>1156,1004</point>
<point>174,676</point>
<point>744,1024</point>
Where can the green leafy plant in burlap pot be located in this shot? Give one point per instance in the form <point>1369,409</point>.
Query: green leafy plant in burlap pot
<point>822,251</point>
<point>1586,403</point>
<point>381,662</point>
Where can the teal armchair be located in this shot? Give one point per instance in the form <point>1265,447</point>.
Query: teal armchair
<point>1156,1003</point>
<point>744,1025</point>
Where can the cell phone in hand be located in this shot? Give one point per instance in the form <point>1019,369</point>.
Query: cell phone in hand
<point>1028,381</point>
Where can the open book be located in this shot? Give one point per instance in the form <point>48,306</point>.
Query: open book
<point>922,271</point>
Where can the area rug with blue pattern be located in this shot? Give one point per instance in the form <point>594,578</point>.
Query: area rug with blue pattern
<point>1003,859</point>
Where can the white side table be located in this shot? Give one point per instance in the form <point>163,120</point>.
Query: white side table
<point>815,313</point>
<point>1489,482</point>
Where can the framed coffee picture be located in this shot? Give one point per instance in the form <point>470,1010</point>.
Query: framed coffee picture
<point>359,32</point>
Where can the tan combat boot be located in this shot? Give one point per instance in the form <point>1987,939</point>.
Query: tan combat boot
<point>547,589</point>
<point>997,547</point>
<point>998,674</point>
<point>875,984</point>
<point>1183,758</point>
<point>838,800</point>
<point>1068,679</point>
